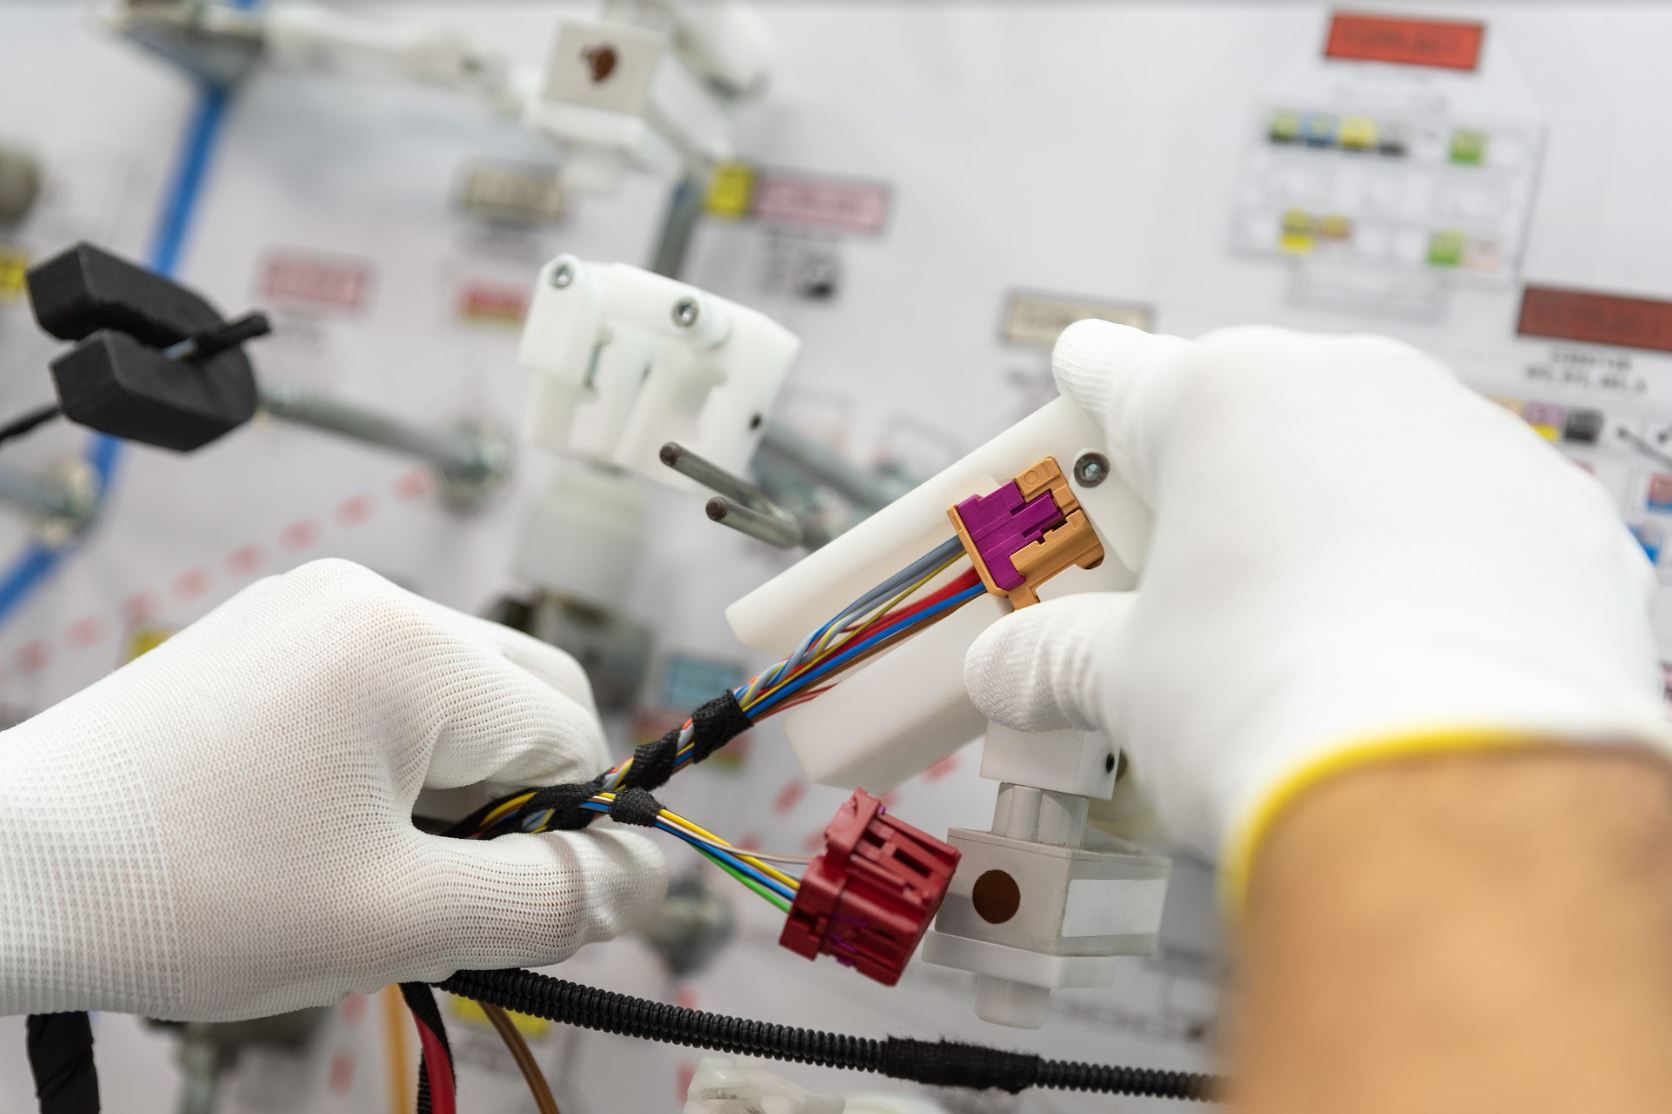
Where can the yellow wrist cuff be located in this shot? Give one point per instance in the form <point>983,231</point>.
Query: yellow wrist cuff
<point>1237,864</point>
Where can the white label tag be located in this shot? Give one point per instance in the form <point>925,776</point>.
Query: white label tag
<point>1113,906</point>
<point>1038,318</point>
<point>602,65</point>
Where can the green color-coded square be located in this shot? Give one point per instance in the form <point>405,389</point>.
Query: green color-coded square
<point>1468,147</point>
<point>1284,127</point>
<point>1445,249</point>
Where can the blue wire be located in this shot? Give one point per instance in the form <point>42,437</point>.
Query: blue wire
<point>735,863</point>
<point>717,853</point>
<point>847,655</point>
<point>36,563</point>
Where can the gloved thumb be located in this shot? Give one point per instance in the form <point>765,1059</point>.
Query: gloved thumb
<point>1122,378</point>
<point>1046,667</point>
<point>530,900</point>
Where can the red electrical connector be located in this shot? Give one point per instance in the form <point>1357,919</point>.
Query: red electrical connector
<point>869,898</point>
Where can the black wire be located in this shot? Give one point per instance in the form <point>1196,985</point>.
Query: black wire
<point>60,1047</point>
<point>420,999</point>
<point>939,1063</point>
<point>26,422</point>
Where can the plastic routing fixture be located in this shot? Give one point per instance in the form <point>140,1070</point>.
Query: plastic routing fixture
<point>869,898</point>
<point>1025,532</point>
<point>152,361</point>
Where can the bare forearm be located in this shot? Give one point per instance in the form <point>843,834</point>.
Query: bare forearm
<point>1476,933</point>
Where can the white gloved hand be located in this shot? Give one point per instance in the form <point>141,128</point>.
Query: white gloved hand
<point>222,829</point>
<point>1353,557</point>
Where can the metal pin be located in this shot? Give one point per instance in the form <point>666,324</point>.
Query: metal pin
<point>739,503</point>
<point>228,334</point>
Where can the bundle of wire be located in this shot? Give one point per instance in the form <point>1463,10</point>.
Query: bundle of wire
<point>880,618</point>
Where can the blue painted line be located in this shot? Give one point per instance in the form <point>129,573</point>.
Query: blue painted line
<point>31,568</point>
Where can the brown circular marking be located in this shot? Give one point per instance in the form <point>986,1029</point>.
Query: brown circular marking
<point>996,896</point>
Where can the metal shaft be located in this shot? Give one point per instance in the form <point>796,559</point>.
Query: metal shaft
<point>867,491</point>
<point>737,503</point>
<point>679,222</point>
<point>455,454</point>
<point>39,496</point>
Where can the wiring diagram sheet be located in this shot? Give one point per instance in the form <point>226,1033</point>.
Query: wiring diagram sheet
<point>925,233</point>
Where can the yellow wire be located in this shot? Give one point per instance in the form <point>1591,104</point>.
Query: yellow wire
<point>764,867</point>
<point>505,807</point>
<point>821,651</point>
<point>761,865</point>
<point>886,606</point>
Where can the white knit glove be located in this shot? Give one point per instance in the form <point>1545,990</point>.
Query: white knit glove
<point>1353,557</point>
<point>222,829</point>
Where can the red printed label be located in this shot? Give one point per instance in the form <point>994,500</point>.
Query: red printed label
<point>494,305</point>
<point>823,203</point>
<point>316,281</point>
<point>1447,44</point>
<point>1578,315</point>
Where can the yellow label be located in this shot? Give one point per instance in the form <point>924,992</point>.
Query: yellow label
<point>145,639</point>
<point>1295,243</point>
<point>14,265</point>
<point>1358,133</point>
<point>471,1013</point>
<point>731,190</point>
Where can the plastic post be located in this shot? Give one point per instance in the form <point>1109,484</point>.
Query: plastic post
<point>869,898</point>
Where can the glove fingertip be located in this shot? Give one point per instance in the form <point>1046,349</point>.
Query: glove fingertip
<point>1035,670</point>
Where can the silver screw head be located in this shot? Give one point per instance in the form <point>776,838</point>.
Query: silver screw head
<point>685,312</point>
<point>1091,469</point>
<point>562,275</point>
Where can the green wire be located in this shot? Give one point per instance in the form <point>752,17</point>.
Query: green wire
<point>783,906</point>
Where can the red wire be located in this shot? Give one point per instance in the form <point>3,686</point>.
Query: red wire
<point>437,1066</point>
<point>969,580</point>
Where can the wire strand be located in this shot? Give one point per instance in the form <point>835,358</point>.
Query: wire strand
<point>520,1052</point>
<point>29,421</point>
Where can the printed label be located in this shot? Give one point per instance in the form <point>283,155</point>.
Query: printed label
<point>731,192</point>
<point>1596,318</point>
<point>511,192</point>
<point>1038,318</point>
<point>1660,492</point>
<point>14,269</point>
<point>492,304</point>
<point>1447,44</point>
<point>845,206</point>
<point>316,281</point>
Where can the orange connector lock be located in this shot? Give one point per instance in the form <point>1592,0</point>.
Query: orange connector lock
<point>1025,532</point>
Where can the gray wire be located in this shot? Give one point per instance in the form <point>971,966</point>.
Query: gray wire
<point>937,556</point>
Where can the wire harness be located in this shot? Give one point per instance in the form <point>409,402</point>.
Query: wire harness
<point>877,620</point>
<point>936,1063</point>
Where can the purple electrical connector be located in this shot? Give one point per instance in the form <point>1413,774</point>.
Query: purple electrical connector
<point>1003,522</point>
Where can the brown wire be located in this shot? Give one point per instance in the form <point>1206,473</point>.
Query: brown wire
<point>514,1043</point>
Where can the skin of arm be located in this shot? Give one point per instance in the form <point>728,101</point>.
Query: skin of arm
<point>1467,933</point>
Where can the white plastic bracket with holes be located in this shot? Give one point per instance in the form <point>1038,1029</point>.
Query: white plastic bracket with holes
<point>625,360</point>
<point>649,86</point>
<point>1077,900</point>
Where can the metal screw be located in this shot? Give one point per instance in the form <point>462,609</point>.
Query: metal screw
<point>685,312</point>
<point>1091,469</point>
<point>562,275</point>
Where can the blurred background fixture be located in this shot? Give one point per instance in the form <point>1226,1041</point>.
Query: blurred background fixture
<point>919,199</point>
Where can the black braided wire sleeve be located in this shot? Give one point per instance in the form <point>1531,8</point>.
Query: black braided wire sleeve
<point>938,1063</point>
<point>60,1048</point>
